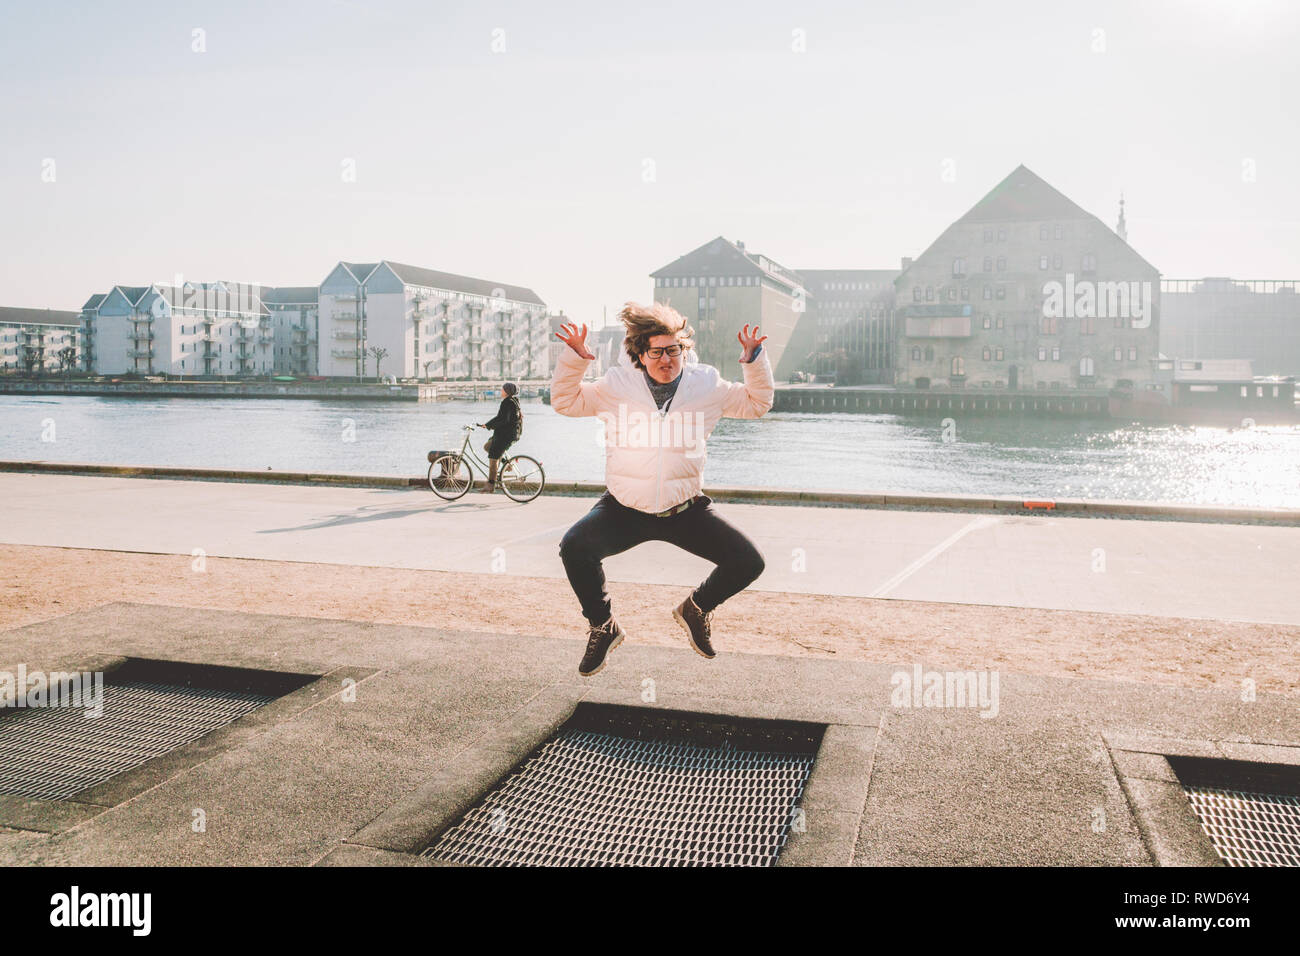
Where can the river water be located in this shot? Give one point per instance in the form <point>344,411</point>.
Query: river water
<point>1033,457</point>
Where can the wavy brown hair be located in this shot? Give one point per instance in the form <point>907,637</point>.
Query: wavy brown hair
<point>644,322</point>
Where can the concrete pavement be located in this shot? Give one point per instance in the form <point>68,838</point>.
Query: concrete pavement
<point>1065,771</point>
<point>1183,569</point>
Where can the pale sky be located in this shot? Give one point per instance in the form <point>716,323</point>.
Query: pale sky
<point>513,141</point>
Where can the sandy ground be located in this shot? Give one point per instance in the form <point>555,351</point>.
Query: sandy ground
<point>37,584</point>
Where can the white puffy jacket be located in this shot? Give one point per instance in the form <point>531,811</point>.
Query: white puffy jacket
<point>655,460</point>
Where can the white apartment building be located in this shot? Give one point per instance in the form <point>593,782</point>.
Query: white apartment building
<point>295,323</point>
<point>428,325</point>
<point>209,329</point>
<point>34,340</point>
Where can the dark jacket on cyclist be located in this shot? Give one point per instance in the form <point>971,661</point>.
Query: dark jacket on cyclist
<point>506,427</point>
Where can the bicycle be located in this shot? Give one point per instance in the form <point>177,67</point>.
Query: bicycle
<point>451,475</point>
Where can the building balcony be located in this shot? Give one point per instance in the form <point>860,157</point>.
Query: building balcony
<point>146,336</point>
<point>344,316</point>
<point>349,334</point>
<point>343,353</point>
<point>139,353</point>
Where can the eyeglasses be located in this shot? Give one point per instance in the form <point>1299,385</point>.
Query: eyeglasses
<point>672,351</point>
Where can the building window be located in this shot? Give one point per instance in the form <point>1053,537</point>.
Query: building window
<point>987,321</point>
<point>1000,353</point>
<point>988,292</point>
<point>1059,233</point>
<point>1085,367</point>
<point>988,235</point>
<point>1042,231</point>
<point>988,264</point>
<point>1002,292</point>
<point>929,293</point>
<point>1087,325</point>
<point>1056,261</point>
<point>1119,353</point>
<point>929,353</point>
<point>1042,262</point>
<point>1133,357</point>
<point>1002,263</point>
<point>1056,354</point>
<point>916,354</point>
<point>916,293</point>
<point>1042,355</point>
<point>965,293</point>
<point>1001,320</point>
<point>952,294</point>
<point>988,353</point>
<point>958,365</point>
<point>1002,235</point>
<point>1089,262</point>
<point>959,266</point>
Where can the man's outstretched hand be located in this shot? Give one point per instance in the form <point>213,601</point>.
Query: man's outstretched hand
<point>574,339</point>
<point>749,343</point>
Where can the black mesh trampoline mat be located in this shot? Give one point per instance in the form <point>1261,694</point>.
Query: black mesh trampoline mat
<point>150,708</point>
<point>622,786</point>
<point>1250,811</point>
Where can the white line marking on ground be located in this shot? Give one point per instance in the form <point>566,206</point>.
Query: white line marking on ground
<point>982,521</point>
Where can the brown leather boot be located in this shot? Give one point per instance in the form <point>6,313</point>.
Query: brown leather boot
<point>697,625</point>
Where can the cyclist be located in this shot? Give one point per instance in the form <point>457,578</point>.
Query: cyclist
<point>507,426</point>
<point>658,408</point>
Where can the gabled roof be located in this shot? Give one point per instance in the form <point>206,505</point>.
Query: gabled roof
<point>722,257</point>
<point>432,278</point>
<point>133,293</point>
<point>360,270</point>
<point>212,297</point>
<point>39,316</point>
<point>95,301</point>
<point>1024,195</point>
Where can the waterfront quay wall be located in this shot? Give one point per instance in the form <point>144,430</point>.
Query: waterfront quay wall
<point>923,401</point>
<point>414,392</point>
<point>978,504</point>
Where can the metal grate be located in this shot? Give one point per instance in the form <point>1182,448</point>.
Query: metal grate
<point>641,792</point>
<point>54,752</point>
<point>1250,812</point>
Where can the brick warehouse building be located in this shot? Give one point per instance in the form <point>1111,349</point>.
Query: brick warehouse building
<point>1027,290</point>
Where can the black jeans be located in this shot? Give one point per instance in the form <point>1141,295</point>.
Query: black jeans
<point>612,528</point>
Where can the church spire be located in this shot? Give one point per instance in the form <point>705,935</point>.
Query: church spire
<point>1122,227</point>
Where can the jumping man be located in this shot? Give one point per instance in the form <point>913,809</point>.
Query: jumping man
<point>659,405</point>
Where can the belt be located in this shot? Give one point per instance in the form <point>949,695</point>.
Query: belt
<point>681,507</point>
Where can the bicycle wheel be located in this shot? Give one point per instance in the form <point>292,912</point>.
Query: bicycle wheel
<point>450,477</point>
<point>522,478</point>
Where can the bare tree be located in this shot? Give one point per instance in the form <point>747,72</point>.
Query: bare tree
<point>67,358</point>
<point>380,353</point>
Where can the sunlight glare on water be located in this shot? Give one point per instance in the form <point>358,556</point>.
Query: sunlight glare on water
<point>1031,457</point>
